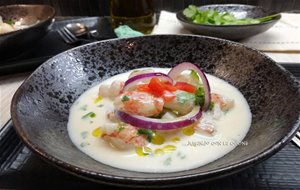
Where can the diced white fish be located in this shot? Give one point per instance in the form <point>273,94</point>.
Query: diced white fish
<point>140,103</point>
<point>112,90</point>
<point>206,126</point>
<point>109,128</point>
<point>169,115</point>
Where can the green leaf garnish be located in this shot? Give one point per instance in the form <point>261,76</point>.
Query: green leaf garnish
<point>84,107</point>
<point>147,132</point>
<point>90,114</point>
<point>194,75</point>
<point>211,105</point>
<point>214,17</point>
<point>84,144</point>
<point>199,96</point>
<point>121,126</point>
<point>168,161</point>
<point>84,134</point>
<point>9,21</point>
<point>125,98</point>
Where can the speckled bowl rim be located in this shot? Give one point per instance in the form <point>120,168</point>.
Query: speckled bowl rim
<point>50,17</point>
<point>152,182</point>
<point>180,17</point>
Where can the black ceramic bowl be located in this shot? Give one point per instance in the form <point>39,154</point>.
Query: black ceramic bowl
<point>231,32</point>
<point>38,17</point>
<point>41,105</point>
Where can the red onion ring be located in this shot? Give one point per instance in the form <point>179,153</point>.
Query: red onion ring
<point>142,78</point>
<point>175,71</point>
<point>160,124</point>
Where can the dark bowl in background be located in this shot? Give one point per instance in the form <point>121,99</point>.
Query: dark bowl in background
<point>40,107</point>
<point>231,32</point>
<point>39,19</point>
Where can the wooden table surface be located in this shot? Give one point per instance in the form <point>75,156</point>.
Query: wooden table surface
<point>10,83</point>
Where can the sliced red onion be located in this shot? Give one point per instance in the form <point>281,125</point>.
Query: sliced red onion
<point>160,124</point>
<point>133,81</point>
<point>175,71</point>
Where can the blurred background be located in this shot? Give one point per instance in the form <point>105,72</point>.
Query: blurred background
<point>101,7</point>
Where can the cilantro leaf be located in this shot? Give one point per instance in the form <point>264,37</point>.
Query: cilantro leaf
<point>214,17</point>
<point>90,114</point>
<point>9,21</point>
<point>147,132</point>
<point>125,98</point>
<point>199,96</point>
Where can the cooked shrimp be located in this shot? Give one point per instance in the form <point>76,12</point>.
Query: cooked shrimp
<point>224,102</point>
<point>205,126</point>
<point>112,90</point>
<point>125,138</point>
<point>140,103</point>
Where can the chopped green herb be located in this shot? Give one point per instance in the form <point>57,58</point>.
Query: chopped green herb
<point>214,17</point>
<point>84,134</point>
<point>9,21</point>
<point>147,132</point>
<point>194,75</point>
<point>184,97</point>
<point>84,107</point>
<point>121,128</point>
<point>90,114</point>
<point>100,105</point>
<point>125,98</point>
<point>200,97</point>
<point>168,161</point>
<point>182,157</point>
<point>211,105</point>
<point>84,144</point>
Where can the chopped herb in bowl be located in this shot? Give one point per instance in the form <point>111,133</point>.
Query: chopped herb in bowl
<point>214,17</point>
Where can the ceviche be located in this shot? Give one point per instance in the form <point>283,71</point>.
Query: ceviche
<point>159,120</point>
<point>10,25</point>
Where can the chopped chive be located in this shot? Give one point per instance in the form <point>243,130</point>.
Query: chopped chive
<point>100,105</point>
<point>9,21</point>
<point>182,157</point>
<point>211,105</point>
<point>90,114</point>
<point>84,134</point>
<point>168,161</point>
<point>147,132</point>
<point>125,98</point>
<point>194,75</point>
<point>84,144</point>
<point>84,107</point>
<point>120,128</point>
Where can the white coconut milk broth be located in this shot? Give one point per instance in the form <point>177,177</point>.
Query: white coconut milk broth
<point>191,151</point>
